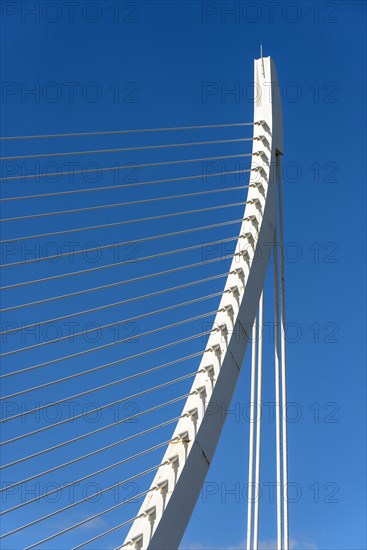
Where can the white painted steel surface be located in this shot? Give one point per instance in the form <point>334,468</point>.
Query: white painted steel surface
<point>165,511</point>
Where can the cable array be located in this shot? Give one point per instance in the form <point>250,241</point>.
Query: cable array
<point>114,224</point>
<point>157,284</point>
<point>115,168</point>
<point>136,184</point>
<point>131,131</point>
<point>124,149</point>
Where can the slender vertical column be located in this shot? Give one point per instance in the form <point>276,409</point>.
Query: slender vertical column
<point>277,399</point>
<point>283,355</point>
<point>251,439</point>
<point>259,419</point>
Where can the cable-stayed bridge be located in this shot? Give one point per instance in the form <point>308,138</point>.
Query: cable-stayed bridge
<point>130,291</point>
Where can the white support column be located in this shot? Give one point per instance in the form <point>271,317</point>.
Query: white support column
<point>277,399</point>
<point>259,419</point>
<point>283,355</point>
<point>251,439</point>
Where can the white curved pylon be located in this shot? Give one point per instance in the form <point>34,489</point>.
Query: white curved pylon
<point>166,510</point>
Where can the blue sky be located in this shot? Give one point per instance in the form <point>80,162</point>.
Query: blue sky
<point>122,65</point>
